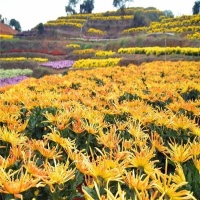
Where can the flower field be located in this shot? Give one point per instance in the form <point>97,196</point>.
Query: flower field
<point>105,133</point>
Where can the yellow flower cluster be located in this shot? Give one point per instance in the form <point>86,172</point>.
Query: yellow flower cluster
<point>84,51</point>
<point>173,29</point>
<point>184,19</point>
<point>133,10</point>
<point>95,63</point>
<point>160,50</point>
<point>4,36</point>
<point>104,53</point>
<point>96,31</point>
<point>81,16</point>
<point>194,36</point>
<point>73,46</point>
<point>132,30</point>
<point>14,59</point>
<point>78,25</point>
<point>178,24</point>
<point>112,17</point>
<point>74,20</point>
<point>114,107</point>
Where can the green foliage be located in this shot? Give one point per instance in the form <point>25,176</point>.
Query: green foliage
<point>40,28</point>
<point>87,6</point>
<point>142,19</point>
<point>121,3</point>
<point>192,177</point>
<point>168,13</point>
<point>16,24</point>
<point>86,46</point>
<point>128,97</point>
<point>193,95</point>
<point>37,125</point>
<point>40,72</point>
<point>196,7</point>
<point>9,73</point>
<point>70,8</point>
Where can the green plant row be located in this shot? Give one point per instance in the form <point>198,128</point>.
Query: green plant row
<point>9,73</point>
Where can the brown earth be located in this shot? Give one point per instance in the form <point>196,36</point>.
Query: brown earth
<point>5,29</point>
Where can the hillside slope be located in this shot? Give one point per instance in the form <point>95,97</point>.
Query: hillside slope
<point>5,29</point>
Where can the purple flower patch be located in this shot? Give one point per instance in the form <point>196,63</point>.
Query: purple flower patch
<point>11,81</point>
<point>58,64</point>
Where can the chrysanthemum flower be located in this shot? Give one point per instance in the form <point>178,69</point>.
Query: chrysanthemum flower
<point>11,136</point>
<point>179,153</point>
<point>17,182</point>
<point>58,174</point>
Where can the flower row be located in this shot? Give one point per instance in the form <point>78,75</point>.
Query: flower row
<point>173,29</point>
<point>12,80</point>
<point>94,63</point>
<point>194,36</point>
<point>96,31</point>
<point>74,20</point>
<point>81,16</point>
<point>34,51</point>
<point>73,46</point>
<point>160,50</point>
<point>104,53</point>
<point>9,73</point>
<point>138,29</point>
<point>108,18</point>
<point>5,36</point>
<point>84,51</point>
<point>78,25</point>
<point>58,64</point>
<point>183,19</point>
<point>13,59</point>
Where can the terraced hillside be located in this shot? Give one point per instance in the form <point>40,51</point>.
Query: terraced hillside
<point>138,35</point>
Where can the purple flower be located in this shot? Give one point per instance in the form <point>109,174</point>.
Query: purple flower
<point>59,64</point>
<point>11,81</point>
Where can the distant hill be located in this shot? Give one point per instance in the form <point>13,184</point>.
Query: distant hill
<point>5,29</point>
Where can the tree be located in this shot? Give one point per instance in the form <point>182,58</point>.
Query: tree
<point>168,13</point>
<point>196,7</point>
<point>121,3</point>
<point>70,8</point>
<point>40,28</point>
<point>73,2</point>
<point>87,6</point>
<point>16,24</point>
<point>140,20</point>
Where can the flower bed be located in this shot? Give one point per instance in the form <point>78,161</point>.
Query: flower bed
<point>190,51</point>
<point>6,36</point>
<point>53,53</point>
<point>16,59</point>
<point>9,73</point>
<point>94,63</point>
<point>61,64</point>
<point>12,80</point>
